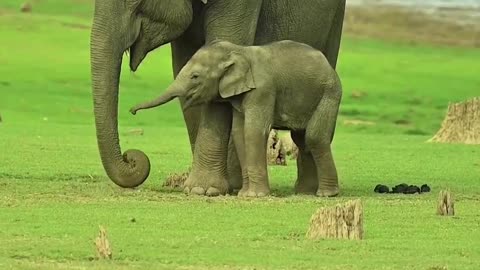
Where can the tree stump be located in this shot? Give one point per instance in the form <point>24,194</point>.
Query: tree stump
<point>103,245</point>
<point>26,7</point>
<point>446,204</point>
<point>462,123</point>
<point>290,147</point>
<point>276,154</point>
<point>343,221</point>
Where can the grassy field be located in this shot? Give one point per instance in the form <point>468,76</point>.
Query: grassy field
<point>54,193</point>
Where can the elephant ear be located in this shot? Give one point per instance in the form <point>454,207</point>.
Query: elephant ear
<point>237,77</point>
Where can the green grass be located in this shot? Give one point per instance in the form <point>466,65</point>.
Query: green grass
<point>54,193</point>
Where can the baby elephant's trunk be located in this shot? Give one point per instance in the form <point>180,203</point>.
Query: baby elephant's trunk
<point>170,94</point>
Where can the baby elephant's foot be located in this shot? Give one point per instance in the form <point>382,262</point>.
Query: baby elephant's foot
<point>253,191</point>
<point>209,186</point>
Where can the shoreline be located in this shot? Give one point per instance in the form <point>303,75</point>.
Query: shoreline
<point>460,12</point>
<point>403,24</point>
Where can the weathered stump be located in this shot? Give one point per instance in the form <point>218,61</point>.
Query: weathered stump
<point>103,245</point>
<point>462,123</point>
<point>446,204</point>
<point>343,221</point>
<point>26,7</point>
<point>290,147</point>
<point>276,154</point>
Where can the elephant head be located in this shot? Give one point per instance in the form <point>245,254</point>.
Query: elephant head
<point>215,71</point>
<point>138,26</point>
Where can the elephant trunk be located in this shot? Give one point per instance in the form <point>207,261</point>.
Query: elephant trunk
<point>133,167</point>
<point>171,93</point>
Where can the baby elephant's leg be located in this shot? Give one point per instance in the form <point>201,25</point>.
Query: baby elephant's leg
<point>319,135</point>
<point>307,180</point>
<point>238,124</point>
<point>256,130</point>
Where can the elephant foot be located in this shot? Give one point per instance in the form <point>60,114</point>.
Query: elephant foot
<point>330,191</point>
<point>254,191</point>
<point>206,186</point>
<point>306,186</point>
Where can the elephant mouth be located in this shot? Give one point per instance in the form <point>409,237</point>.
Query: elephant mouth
<point>136,55</point>
<point>139,50</point>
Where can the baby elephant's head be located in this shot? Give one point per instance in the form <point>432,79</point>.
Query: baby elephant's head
<point>220,70</point>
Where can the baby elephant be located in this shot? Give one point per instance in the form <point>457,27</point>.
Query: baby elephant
<point>283,85</point>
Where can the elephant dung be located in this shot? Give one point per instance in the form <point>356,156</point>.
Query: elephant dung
<point>342,221</point>
<point>462,123</point>
<point>446,204</point>
<point>176,181</point>
<point>276,154</point>
<point>103,245</point>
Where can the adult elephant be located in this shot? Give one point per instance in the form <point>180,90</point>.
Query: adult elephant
<point>141,26</point>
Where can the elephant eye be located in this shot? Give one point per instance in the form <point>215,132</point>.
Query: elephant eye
<point>194,76</point>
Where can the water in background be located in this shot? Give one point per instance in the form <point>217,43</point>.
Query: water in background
<point>460,11</point>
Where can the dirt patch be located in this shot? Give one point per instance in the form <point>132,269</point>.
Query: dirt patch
<point>403,24</point>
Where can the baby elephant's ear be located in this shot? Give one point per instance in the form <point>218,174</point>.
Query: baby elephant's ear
<point>237,77</point>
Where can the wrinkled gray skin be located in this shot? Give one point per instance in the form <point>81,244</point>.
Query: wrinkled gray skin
<point>284,85</point>
<point>141,26</point>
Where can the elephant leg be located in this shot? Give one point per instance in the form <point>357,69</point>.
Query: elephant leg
<point>182,50</point>
<point>234,170</point>
<point>238,136</point>
<point>335,35</point>
<point>307,180</point>
<point>209,169</point>
<point>318,140</point>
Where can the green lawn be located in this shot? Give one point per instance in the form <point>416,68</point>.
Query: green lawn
<point>54,193</point>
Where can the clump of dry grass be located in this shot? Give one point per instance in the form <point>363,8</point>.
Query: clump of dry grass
<point>403,24</point>
<point>175,180</point>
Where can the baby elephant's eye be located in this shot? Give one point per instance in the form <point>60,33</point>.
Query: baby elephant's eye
<point>194,76</point>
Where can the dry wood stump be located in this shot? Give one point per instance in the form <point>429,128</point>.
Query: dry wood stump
<point>26,7</point>
<point>462,123</point>
<point>103,245</point>
<point>290,147</point>
<point>342,221</point>
<point>276,154</point>
<point>446,204</point>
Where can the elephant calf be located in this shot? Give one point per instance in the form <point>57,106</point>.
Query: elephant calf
<point>284,85</point>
